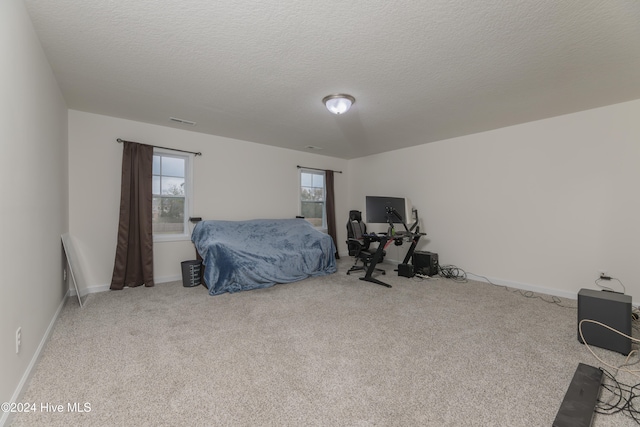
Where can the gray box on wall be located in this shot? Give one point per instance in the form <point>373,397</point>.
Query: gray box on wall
<point>610,308</point>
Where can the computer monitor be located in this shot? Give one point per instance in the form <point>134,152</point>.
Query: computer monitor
<point>376,209</point>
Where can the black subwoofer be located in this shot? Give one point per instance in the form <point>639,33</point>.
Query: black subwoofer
<point>425,263</point>
<point>610,308</point>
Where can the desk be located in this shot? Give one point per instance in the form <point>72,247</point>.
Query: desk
<point>383,241</point>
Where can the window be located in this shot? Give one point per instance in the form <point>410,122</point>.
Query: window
<point>171,195</point>
<point>312,197</point>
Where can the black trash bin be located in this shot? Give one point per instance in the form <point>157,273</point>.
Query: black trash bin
<point>191,273</point>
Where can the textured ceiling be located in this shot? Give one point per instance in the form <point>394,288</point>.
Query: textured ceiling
<point>420,70</point>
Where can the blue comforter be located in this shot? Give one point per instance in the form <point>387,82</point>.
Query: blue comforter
<point>243,255</point>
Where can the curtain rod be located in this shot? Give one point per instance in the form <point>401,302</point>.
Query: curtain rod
<point>166,148</point>
<point>315,169</point>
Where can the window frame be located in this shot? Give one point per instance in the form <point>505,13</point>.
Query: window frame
<point>188,197</point>
<point>322,227</point>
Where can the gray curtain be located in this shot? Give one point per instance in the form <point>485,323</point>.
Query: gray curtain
<point>134,252</point>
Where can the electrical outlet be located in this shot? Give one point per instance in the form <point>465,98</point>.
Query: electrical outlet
<point>18,339</point>
<point>602,273</point>
<point>64,274</point>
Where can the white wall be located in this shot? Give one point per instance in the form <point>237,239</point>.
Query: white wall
<point>543,205</point>
<point>33,170</point>
<point>233,179</point>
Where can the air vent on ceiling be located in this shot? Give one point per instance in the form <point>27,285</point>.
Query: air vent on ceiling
<point>313,147</point>
<point>181,121</point>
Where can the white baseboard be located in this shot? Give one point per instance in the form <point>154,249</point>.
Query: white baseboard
<point>104,288</point>
<point>90,290</point>
<point>501,282</point>
<point>524,286</point>
<point>167,279</point>
<point>515,285</point>
<point>27,374</point>
<point>537,289</point>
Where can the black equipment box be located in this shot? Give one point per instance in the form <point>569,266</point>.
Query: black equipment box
<point>405,270</point>
<point>610,308</point>
<point>425,263</point>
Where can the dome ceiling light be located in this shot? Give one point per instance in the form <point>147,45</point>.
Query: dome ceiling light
<point>338,104</point>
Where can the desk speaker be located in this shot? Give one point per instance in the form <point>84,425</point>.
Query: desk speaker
<point>405,270</point>
<point>610,308</point>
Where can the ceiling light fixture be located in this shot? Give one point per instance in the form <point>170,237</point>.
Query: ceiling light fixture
<point>338,104</point>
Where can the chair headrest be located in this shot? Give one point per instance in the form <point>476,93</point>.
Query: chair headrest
<point>355,216</point>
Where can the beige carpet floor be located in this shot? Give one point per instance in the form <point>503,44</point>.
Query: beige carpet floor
<point>326,351</point>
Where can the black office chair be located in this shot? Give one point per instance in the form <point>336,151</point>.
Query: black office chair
<point>358,243</point>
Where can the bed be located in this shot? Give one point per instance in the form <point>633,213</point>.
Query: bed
<point>253,254</point>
